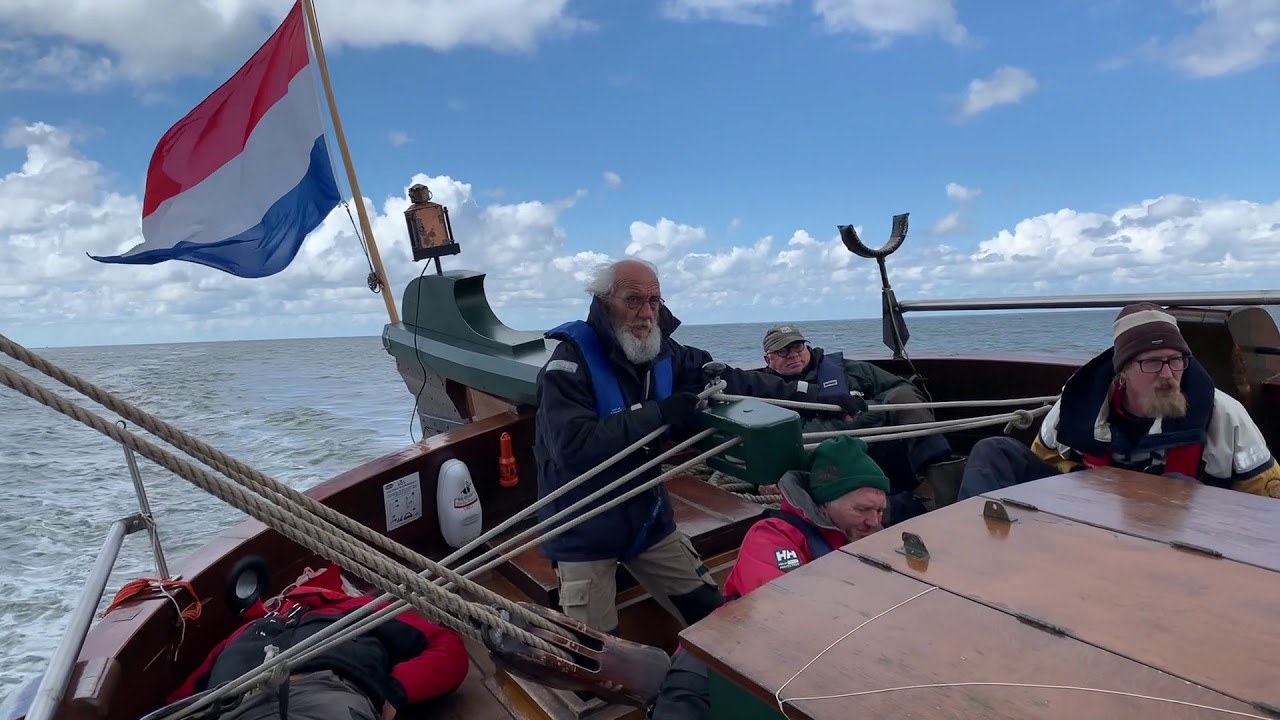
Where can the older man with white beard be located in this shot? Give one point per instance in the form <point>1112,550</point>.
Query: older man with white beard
<point>612,380</point>
<point>1144,404</point>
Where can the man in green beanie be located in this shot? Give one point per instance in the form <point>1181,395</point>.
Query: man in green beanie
<point>840,499</point>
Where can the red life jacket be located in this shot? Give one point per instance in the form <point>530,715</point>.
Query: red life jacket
<point>1183,459</point>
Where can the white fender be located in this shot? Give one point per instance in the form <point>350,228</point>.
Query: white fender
<point>457,504</point>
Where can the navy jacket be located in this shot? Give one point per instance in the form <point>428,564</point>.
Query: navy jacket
<point>572,437</point>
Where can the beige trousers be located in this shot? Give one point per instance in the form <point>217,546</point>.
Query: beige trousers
<point>588,590</point>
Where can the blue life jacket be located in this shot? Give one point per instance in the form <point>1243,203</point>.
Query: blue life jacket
<point>831,377</point>
<point>604,383</point>
<point>609,400</point>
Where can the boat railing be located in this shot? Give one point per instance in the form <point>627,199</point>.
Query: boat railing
<point>896,334</point>
<point>53,686</point>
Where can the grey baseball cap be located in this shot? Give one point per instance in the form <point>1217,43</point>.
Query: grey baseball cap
<point>781,336</point>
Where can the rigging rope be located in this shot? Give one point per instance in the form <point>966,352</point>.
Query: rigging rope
<point>347,553</point>
<point>940,425</point>
<point>1021,419</point>
<point>892,407</point>
<point>368,616</point>
<point>255,480</point>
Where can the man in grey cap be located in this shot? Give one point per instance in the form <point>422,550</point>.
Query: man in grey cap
<point>922,472</point>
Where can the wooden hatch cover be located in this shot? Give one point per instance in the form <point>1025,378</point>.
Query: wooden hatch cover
<point>1100,594</point>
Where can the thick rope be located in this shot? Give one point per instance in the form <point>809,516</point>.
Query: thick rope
<point>255,480</point>
<point>340,630</point>
<point>366,617</point>
<point>365,564</point>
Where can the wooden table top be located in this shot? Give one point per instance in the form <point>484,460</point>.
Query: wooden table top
<point>1044,600</point>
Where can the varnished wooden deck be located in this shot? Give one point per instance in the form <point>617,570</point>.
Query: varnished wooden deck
<point>1083,589</point>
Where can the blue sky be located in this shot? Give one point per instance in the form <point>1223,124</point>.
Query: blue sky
<point>723,123</point>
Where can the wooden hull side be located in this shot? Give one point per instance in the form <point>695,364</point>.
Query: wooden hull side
<point>142,637</point>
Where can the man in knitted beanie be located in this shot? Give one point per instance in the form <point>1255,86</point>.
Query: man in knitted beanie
<point>1144,404</point>
<point>840,499</point>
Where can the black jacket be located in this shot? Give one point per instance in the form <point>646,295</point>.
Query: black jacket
<point>571,439</point>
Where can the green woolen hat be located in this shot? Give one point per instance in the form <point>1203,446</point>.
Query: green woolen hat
<point>840,465</point>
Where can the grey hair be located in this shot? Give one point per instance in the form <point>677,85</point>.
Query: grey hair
<point>601,283</point>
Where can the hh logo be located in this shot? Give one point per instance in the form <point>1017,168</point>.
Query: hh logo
<point>786,559</point>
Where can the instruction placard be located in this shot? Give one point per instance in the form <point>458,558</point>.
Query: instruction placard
<point>402,500</point>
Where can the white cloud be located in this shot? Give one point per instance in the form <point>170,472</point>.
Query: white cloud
<point>26,65</point>
<point>1006,86</point>
<point>886,20</point>
<point>148,40</point>
<point>948,224</point>
<point>953,222</point>
<point>960,193</point>
<point>742,12</point>
<point>612,179</point>
<point>58,205</point>
<point>398,138</point>
<point>1233,36</point>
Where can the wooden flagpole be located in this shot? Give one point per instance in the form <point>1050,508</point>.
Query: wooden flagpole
<point>314,29</point>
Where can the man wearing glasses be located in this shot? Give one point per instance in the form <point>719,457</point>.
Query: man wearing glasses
<point>922,472</point>
<point>1144,404</point>
<point>613,379</point>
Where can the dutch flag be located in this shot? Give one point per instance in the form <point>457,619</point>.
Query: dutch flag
<point>240,181</point>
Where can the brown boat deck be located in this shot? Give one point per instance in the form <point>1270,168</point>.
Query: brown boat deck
<point>1104,580</point>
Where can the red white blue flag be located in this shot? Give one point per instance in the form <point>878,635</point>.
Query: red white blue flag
<point>241,181</point>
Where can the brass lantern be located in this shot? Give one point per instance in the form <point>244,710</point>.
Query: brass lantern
<point>430,234</point>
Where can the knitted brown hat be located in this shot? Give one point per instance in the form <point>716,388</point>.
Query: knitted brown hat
<point>1145,326</point>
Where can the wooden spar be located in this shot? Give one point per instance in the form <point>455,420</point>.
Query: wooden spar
<point>374,257</point>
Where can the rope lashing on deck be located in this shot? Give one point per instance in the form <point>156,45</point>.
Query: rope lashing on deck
<point>347,552</point>
<point>254,479</point>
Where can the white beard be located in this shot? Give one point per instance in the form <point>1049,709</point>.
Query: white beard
<point>639,351</point>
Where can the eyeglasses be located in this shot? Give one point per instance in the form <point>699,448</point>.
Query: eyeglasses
<point>633,302</point>
<point>794,348</point>
<point>1177,363</point>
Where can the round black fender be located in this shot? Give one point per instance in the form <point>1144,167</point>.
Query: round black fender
<point>246,583</point>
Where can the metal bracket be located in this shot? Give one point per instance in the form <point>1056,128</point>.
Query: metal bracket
<point>134,523</point>
<point>1195,548</point>
<point>875,562</point>
<point>996,511</point>
<point>1019,504</point>
<point>913,546</point>
<point>1036,622</point>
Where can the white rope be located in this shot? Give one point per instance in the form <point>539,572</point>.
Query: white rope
<point>894,407</point>
<point>841,696</point>
<point>1120,693</point>
<point>1019,418</point>
<point>366,618</point>
<point>934,424</point>
<point>778,695</point>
